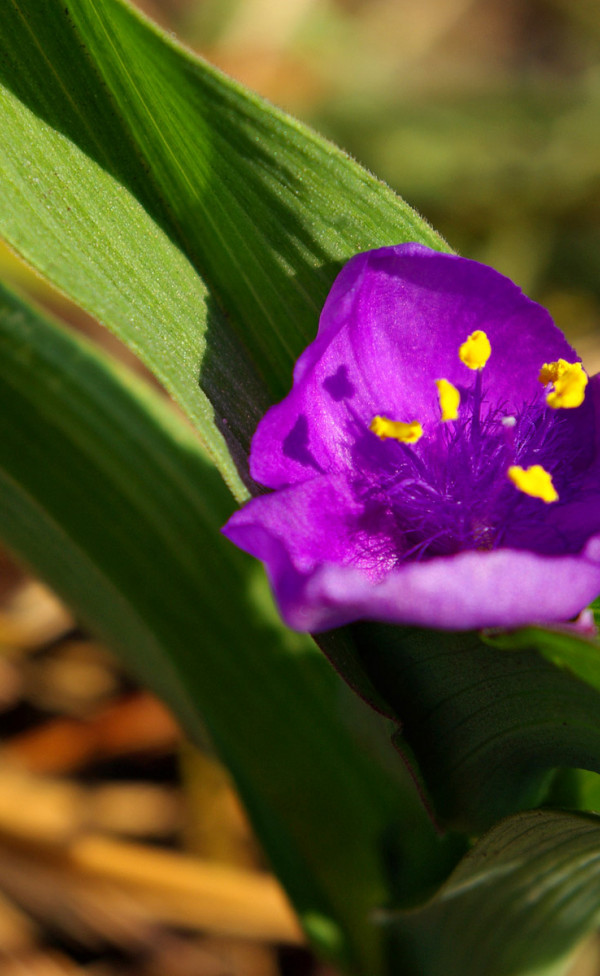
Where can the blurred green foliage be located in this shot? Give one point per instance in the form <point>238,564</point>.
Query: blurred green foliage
<point>483,114</point>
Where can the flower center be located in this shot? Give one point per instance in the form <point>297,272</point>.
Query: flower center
<point>479,473</point>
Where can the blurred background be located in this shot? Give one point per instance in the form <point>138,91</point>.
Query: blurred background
<point>123,852</point>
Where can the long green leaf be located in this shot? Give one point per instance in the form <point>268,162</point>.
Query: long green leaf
<point>199,223</point>
<point>576,652</point>
<point>517,905</point>
<point>105,492</point>
<point>486,726</point>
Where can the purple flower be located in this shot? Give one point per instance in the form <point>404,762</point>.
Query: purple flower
<point>437,461</point>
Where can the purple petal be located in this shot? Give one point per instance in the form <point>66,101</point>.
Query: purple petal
<point>576,519</point>
<point>471,590</point>
<point>391,326</point>
<point>306,536</point>
<point>317,520</point>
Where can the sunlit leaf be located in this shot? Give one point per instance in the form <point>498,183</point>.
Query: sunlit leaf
<point>199,223</point>
<point>517,904</point>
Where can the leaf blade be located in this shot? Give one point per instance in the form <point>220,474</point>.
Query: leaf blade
<point>517,904</point>
<point>263,210</point>
<point>107,494</point>
<point>485,727</point>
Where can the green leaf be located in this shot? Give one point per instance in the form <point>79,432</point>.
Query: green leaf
<point>195,220</point>
<point>577,653</point>
<point>486,727</point>
<point>106,493</point>
<point>575,789</point>
<point>517,904</point>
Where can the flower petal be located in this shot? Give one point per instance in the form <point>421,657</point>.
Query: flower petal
<point>315,521</point>
<point>392,325</point>
<point>471,590</point>
<point>306,536</point>
<point>566,526</point>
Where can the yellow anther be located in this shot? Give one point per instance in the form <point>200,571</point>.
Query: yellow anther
<point>475,350</point>
<point>534,481</point>
<point>569,382</point>
<point>405,433</point>
<point>550,372</point>
<point>449,399</point>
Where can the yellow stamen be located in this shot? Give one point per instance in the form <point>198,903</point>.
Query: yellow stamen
<point>449,399</point>
<point>475,350</point>
<point>405,433</point>
<point>534,481</point>
<point>550,372</point>
<point>569,382</point>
